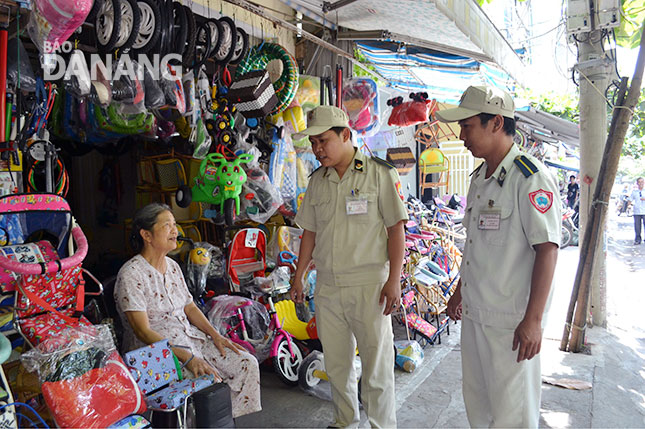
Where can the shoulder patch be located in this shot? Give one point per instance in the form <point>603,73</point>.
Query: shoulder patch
<point>382,162</point>
<point>525,165</point>
<point>542,200</point>
<point>476,169</point>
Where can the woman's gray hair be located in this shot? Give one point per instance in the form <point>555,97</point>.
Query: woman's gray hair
<point>145,219</point>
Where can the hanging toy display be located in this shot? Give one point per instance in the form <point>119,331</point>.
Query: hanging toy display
<point>360,102</point>
<point>409,113</point>
<point>252,94</point>
<point>287,84</point>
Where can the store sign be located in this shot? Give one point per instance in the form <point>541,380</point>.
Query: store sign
<point>56,66</point>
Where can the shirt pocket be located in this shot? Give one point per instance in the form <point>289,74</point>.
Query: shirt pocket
<point>499,237</point>
<point>372,210</point>
<point>322,207</point>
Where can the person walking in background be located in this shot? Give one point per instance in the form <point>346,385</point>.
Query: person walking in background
<point>573,190</point>
<point>638,200</point>
<point>513,223</point>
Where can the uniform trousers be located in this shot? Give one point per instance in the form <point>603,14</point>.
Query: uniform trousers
<point>498,391</point>
<point>345,317</point>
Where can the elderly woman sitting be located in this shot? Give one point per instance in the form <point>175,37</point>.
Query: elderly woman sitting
<point>153,298</point>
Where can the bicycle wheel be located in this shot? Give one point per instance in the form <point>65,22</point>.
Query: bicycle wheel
<point>107,25</point>
<point>228,40</point>
<point>567,233</point>
<point>306,377</point>
<point>130,24</point>
<point>189,49</point>
<point>286,366</point>
<point>150,27</point>
<point>241,46</point>
<point>180,30</point>
<point>202,45</point>
<point>216,36</point>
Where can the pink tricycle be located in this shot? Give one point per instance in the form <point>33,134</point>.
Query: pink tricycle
<point>257,328</point>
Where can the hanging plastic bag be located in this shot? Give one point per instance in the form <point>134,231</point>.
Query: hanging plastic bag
<point>52,22</point>
<point>27,78</point>
<point>197,267</point>
<point>282,171</point>
<point>409,355</point>
<point>265,197</point>
<point>409,113</point>
<point>360,102</point>
<point>84,381</point>
<point>306,163</point>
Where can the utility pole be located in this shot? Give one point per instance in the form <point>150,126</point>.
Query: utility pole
<point>593,70</point>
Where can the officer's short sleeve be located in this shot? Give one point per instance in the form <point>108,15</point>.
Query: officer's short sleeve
<point>540,208</point>
<point>390,201</point>
<point>306,216</point>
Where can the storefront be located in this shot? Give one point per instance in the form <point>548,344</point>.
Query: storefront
<point>114,104</point>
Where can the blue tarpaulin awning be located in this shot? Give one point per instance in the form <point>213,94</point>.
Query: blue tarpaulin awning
<point>443,76</point>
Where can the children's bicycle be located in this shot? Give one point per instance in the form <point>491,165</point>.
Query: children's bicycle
<point>258,329</point>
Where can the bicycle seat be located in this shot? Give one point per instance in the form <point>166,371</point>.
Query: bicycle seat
<point>286,311</point>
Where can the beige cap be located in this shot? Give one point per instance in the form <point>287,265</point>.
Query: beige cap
<point>323,118</point>
<point>480,99</point>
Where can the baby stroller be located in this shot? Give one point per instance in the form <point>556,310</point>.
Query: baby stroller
<point>38,263</point>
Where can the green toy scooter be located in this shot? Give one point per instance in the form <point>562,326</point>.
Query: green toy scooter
<point>219,182</point>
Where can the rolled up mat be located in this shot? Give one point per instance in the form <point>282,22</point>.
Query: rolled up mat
<point>3,82</point>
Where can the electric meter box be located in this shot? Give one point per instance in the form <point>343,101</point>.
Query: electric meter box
<point>578,16</point>
<point>606,13</point>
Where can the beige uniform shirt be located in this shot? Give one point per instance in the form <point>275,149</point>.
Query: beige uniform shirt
<point>506,215</point>
<point>351,249</point>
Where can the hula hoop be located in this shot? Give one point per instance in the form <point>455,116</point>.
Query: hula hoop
<point>287,84</point>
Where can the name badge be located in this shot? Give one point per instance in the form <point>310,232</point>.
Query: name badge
<point>355,205</point>
<point>489,219</point>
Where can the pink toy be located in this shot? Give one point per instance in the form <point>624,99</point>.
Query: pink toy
<point>53,21</point>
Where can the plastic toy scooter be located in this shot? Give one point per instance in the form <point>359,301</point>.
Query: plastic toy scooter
<point>219,182</point>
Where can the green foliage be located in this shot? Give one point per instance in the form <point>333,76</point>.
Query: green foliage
<point>564,106</point>
<point>359,72</point>
<point>628,34</point>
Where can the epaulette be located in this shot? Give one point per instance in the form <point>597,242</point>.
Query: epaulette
<point>312,173</point>
<point>476,169</point>
<point>382,162</point>
<point>525,165</point>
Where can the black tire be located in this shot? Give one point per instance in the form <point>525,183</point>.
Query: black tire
<point>228,38</point>
<point>202,45</point>
<point>191,35</point>
<point>149,28</point>
<point>306,378</point>
<point>180,28</point>
<point>229,212</point>
<point>107,25</point>
<point>96,6</point>
<point>286,366</point>
<point>184,196</point>
<point>241,46</point>
<point>130,22</point>
<point>567,235</point>
<point>216,35</point>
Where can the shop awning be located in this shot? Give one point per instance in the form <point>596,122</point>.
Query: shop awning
<point>548,128</point>
<point>457,27</point>
<point>443,76</point>
<point>562,166</point>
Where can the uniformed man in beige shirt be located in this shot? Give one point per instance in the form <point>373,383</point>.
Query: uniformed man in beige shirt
<point>353,215</point>
<point>513,232</point>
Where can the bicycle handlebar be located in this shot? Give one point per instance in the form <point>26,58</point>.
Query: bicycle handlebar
<point>51,266</point>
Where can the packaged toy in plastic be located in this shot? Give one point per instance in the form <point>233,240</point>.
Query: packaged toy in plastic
<point>84,381</point>
<point>412,112</point>
<point>222,313</point>
<point>52,22</point>
<point>409,355</point>
<point>360,102</point>
<point>263,198</point>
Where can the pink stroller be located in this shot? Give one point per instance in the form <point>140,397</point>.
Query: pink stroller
<point>35,263</point>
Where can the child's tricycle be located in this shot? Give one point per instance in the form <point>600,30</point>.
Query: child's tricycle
<point>219,182</point>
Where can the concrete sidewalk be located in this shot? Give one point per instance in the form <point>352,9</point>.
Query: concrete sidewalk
<point>431,396</point>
